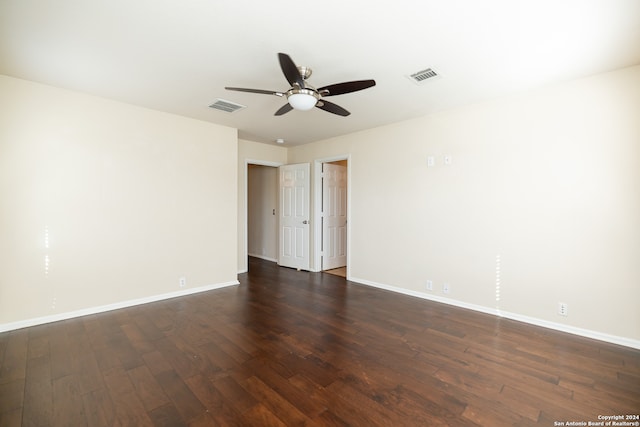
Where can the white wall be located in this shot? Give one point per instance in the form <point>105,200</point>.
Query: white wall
<point>250,152</point>
<point>103,202</point>
<point>262,201</point>
<point>540,205</point>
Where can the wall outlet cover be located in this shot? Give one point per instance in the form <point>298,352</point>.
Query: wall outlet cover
<point>563,309</point>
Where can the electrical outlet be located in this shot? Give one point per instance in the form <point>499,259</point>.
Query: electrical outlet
<point>563,309</point>
<point>431,161</point>
<point>429,285</point>
<point>183,282</point>
<point>445,288</point>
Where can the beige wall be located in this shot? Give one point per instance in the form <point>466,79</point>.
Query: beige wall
<point>540,205</point>
<point>262,204</point>
<point>121,201</point>
<point>257,153</point>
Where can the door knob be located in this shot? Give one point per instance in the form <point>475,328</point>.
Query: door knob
<point>305,222</point>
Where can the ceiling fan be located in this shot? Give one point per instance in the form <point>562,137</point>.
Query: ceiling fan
<point>302,96</point>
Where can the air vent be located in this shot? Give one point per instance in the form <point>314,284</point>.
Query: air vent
<point>226,106</point>
<point>422,76</point>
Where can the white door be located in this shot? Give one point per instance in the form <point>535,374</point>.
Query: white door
<point>294,216</point>
<point>334,216</point>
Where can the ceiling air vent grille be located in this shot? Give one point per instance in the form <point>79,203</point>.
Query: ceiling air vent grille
<point>422,76</point>
<point>226,106</point>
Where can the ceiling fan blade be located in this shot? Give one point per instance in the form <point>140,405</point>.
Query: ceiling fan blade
<point>284,109</point>
<point>332,108</point>
<point>346,87</point>
<point>266,92</point>
<point>290,70</point>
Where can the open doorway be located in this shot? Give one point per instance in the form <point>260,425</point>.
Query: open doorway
<point>332,202</point>
<point>262,204</point>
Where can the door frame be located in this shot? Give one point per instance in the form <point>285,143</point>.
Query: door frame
<point>247,162</point>
<point>317,210</point>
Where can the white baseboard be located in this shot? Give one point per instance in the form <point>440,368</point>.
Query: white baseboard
<point>115,306</point>
<point>614,339</point>
<point>263,257</point>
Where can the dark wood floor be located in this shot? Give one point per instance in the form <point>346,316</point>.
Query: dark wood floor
<point>289,348</point>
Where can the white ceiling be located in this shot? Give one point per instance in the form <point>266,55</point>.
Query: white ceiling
<point>177,56</point>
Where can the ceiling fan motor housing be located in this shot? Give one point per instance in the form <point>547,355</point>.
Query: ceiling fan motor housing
<point>305,72</point>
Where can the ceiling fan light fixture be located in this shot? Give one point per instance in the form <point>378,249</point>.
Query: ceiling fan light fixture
<point>302,99</point>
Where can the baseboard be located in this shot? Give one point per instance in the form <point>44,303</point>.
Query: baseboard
<point>613,339</point>
<point>109,307</point>
<point>263,257</point>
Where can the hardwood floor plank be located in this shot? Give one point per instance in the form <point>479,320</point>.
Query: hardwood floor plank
<point>61,360</point>
<point>147,388</point>
<point>180,395</point>
<point>261,416</point>
<point>198,358</point>
<point>167,416</point>
<point>329,419</point>
<point>446,403</point>
<point>284,410</point>
<point>12,418</point>
<point>202,387</point>
<point>553,409</point>
<point>599,400</point>
<point>129,411</point>
<point>99,408</point>
<point>38,393</point>
<point>38,342</point>
<point>241,341</point>
<point>156,362</point>
<point>321,372</point>
<point>138,340</point>
<point>182,363</point>
<point>68,408</point>
<point>127,405</point>
<point>229,348</point>
<point>12,397</point>
<point>475,383</point>
<point>302,392</point>
<point>357,408</point>
<point>227,416</point>
<point>129,357</point>
<point>483,416</point>
<point>205,420</point>
<point>234,394</point>
<point>14,362</point>
<point>147,328</point>
<point>219,358</point>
